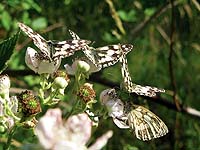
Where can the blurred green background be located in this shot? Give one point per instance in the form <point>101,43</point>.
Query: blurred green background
<point>146,24</point>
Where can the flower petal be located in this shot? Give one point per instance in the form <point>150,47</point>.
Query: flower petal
<point>48,126</point>
<point>31,60</point>
<point>79,128</point>
<point>101,141</point>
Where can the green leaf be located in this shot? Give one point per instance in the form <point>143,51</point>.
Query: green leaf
<point>26,18</point>
<point>6,20</point>
<point>6,50</point>
<point>149,11</point>
<point>30,4</point>
<point>127,16</point>
<point>1,7</point>
<point>39,23</point>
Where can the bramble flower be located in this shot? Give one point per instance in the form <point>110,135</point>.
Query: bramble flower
<point>8,105</point>
<point>73,134</point>
<point>39,63</point>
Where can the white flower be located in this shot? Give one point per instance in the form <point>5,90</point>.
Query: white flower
<point>114,106</point>
<point>84,65</point>
<point>72,135</point>
<point>39,63</point>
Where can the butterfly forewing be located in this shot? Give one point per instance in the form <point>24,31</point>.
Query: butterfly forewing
<point>38,40</point>
<point>53,49</point>
<point>67,48</point>
<point>146,125</point>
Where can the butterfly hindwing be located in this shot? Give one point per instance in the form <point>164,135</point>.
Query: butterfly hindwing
<point>134,88</point>
<point>109,55</point>
<point>146,125</point>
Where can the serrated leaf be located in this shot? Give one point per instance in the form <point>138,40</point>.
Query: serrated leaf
<point>6,50</point>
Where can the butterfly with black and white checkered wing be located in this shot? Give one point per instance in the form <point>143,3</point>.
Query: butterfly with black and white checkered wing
<point>144,123</point>
<point>134,88</point>
<point>53,49</point>
<point>104,56</point>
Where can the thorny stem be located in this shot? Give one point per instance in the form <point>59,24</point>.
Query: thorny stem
<point>49,99</point>
<point>170,59</point>
<point>10,135</point>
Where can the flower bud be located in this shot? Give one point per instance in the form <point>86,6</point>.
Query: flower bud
<point>4,86</point>
<point>2,129</point>
<point>83,66</point>
<point>60,83</point>
<point>80,65</point>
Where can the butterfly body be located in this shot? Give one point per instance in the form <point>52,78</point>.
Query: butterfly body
<point>104,56</point>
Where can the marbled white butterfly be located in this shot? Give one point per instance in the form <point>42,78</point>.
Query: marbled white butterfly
<point>134,88</point>
<point>54,49</point>
<point>104,56</point>
<point>145,124</point>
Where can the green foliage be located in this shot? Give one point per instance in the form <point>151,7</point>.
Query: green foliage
<point>6,50</point>
<point>127,16</point>
<point>6,20</point>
